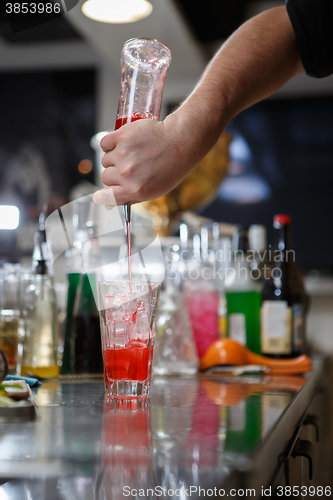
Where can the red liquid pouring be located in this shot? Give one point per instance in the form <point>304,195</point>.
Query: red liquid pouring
<point>119,123</point>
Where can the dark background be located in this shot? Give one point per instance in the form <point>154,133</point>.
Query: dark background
<point>55,113</point>
<point>290,142</point>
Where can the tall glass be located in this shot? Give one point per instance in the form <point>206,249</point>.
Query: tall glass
<point>127,311</point>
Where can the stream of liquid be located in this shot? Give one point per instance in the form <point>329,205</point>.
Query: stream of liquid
<point>128,234</point>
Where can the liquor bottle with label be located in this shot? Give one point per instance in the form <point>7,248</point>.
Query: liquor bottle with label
<point>243,296</point>
<point>284,299</point>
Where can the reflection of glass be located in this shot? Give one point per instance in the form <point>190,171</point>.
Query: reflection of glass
<point>273,404</point>
<point>244,425</point>
<point>203,438</point>
<point>126,449</point>
<point>248,408</point>
<point>128,312</point>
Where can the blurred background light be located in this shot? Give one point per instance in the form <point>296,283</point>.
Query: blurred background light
<point>115,11</point>
<point>85,166</point>
<point>9,217</point>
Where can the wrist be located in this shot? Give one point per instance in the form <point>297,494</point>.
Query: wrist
<point>194,128</point>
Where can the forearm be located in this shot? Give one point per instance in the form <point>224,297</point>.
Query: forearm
<point>147,159</point>
<point>258,59</point>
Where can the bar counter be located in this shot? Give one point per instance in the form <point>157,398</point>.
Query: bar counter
<point>226,435</point>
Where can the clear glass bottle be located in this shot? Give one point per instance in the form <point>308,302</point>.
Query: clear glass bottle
<point>174,351</point>
<point>243,296</point>
<point>41,339</point>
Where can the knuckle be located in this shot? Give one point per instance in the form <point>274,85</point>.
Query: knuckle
<point>105,142</point>
<point>104,161</point>
<point>105,177</point>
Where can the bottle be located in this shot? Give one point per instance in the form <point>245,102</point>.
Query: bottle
<point>284,299</point>
<point>175,350</point>
<point>86,335</point>
<point>82,343</point>
<point>243,296</point>
<point>258,249</point>
<point>41,251</point>
<point>41,340</point>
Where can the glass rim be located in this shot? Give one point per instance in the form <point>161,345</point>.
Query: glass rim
<point>152,41</point>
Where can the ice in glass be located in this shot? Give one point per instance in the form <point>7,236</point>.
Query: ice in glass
<point>128,312</point>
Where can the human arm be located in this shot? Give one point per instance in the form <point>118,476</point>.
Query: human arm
<point>146,159</point>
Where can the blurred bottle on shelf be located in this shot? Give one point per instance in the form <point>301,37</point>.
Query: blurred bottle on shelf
<point>41,338</point>
<point>284,301</point>
<point>201,289</point>
<point>243,296</point>
<point>175,350</point>
<point>258,248</point>
<point>82,343</point>
<point>10,314</point>
<point>221,247</point>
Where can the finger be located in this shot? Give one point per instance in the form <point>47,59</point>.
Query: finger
<point>107,160</point>
<point>110,176</point>
<point>105,196</point>
<point>108,142</point>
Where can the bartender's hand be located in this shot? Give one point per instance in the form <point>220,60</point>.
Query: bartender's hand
<point>143,161</point>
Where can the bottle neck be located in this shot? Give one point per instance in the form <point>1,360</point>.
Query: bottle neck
<point>41,267</point>
<point>283,240</point>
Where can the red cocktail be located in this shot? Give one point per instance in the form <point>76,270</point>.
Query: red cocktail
<point>127,315</point>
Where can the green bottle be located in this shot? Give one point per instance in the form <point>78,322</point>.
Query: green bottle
<point>73,281</point>
<point>243,296</point>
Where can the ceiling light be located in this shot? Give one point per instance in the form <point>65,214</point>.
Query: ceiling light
<point>117,11</point>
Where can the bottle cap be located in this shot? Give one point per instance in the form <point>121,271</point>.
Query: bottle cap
<point>282,219</point>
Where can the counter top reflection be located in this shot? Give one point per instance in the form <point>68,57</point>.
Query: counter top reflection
<point>206,431</point>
